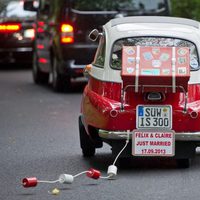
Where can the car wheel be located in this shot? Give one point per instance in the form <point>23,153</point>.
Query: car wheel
<point>183,163</point>
<point>39,77</point>
<point>58,80</point>
<point>88,148</point>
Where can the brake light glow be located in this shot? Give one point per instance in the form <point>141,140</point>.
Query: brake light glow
<point>67,28</point>
<point>41,23</point>
<point>43,60</point>
<point>40,30</point>
<point>67,34</point>
<point>67,39</point>
<point>10,27</point>
<point>40,46</point>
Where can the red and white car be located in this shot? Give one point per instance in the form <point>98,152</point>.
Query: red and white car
<point>144,85</point>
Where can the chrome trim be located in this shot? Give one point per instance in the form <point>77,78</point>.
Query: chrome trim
<point>75,66</point>
<point>17,49</point>
<point>83,46</point>
<point>96,12</point>
<point>154,96</point>
<point>117,135</point>
<point>154,19</point>
<point>152,86</point>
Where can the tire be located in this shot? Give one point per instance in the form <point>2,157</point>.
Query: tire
<point>59,81</point>
<point>88,148</point>
<point>183,163</point>
<point>39,77</point>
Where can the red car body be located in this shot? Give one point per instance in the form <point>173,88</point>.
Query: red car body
<point>114,102</point>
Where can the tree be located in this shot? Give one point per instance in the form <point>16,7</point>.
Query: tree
<point>186,8</point>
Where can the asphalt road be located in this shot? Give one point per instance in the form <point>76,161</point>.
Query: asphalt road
<point>39,137</point>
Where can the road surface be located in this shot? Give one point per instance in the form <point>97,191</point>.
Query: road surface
<point>39,137</point>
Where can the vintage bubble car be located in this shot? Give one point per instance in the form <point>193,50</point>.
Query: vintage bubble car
<point>143,87</point>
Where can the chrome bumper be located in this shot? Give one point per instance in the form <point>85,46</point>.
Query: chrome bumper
<point>117,135</point>
<point>72,65</point>
<point>17,49</point>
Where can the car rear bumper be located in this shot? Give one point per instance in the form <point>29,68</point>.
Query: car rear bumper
<point>81,53</point>
<point>19,49</point>
<point>119,135</point>
<point>13,55</point>
<point>73,70</point>
<point>76,58</point>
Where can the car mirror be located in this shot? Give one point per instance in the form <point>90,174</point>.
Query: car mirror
<point>31,5</point>
<point>94,34</point>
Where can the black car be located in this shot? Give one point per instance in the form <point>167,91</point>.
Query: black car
<point>62,47</point>
<point>16,33</point>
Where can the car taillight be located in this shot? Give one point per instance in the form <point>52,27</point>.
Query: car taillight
<point>43,60</point>
<point>40,46</point>
<point>29,33</point>
<point>67,34</point>
<point>40,28</point>
<point>7,28</point>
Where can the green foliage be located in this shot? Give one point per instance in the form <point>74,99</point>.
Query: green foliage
<point>102,5</point>
<point>186,8</point>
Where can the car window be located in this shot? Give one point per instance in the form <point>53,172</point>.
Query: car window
<point>14,9</point>
<point>116,59</point>
<point>100,54</point>
<point>120,5</point>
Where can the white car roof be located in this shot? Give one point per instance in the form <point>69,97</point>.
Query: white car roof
<point>153,26</point>
<point>155,19</point>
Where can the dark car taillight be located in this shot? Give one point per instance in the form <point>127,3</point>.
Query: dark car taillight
<point>10,27</point>
<point>40,28</point>
<point>67,34</point>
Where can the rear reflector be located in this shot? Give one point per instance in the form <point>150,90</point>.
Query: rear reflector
<point>68,40</point>
<point>7,28</point>
<point>40,46</point>
<point>41,23</point>
<point>42,60</point>
<point>40,30</point>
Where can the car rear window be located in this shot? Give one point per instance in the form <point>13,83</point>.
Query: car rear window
<point>126,5</point>
<point>116,59</point>
<point>14,9</point>
<point>100,54</point>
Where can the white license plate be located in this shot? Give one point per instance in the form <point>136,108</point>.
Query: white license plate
<point>153,143</point>
<point>149,116</point>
